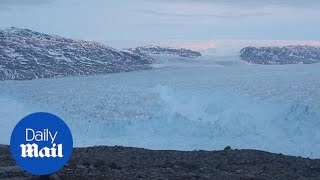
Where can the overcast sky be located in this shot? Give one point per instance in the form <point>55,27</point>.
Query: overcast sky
<point>109,20</point>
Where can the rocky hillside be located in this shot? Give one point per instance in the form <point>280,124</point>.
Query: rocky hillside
<point>134,163</point>
<point>26,54</point>
<point>281,55</point>
<point>166,51</point>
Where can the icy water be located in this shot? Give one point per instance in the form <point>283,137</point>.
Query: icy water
<point>182,105</point>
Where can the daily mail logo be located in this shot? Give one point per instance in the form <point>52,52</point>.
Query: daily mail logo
<point>32,150</point>
<point>41,143</point>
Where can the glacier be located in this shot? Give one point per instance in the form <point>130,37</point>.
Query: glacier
<point>203,104</point>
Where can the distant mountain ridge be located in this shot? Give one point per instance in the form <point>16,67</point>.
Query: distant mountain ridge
<point>281,55</point>
<point>165,51</point>
<point>27,54</point>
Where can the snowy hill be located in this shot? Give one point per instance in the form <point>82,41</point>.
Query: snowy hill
<point>26,54</point>
<point>165,51</point>
<point>281,55</point>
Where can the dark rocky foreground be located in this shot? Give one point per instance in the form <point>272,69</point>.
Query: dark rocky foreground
<point>134,163</point>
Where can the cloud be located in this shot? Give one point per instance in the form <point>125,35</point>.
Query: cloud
<point>188,11</point>
<point>4,4</point>
<point>203,15</point>
<point>238,44</point>
<point>166,19</point>
<point>296,3</point>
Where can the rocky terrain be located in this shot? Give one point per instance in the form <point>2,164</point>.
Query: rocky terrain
<point>26,54</point>
<point>165,51</point>
<point>135,163</point>
<point>281,55</point>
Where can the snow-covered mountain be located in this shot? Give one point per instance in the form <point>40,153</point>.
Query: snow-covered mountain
<point>26,54</point>
<point>165,51</point>
<point>281,55</point>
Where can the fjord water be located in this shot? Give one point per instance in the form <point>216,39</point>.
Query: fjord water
<point>204,104</point>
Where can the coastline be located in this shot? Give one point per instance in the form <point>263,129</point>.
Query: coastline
<point>103,162</point>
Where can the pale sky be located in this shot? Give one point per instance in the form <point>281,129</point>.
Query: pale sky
<point>145,20</point>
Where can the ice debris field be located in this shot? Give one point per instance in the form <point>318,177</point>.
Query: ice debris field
<point>201,105</point>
